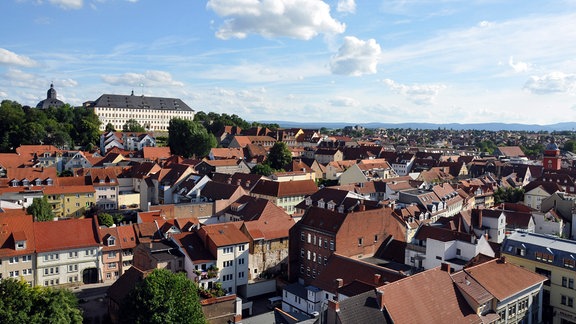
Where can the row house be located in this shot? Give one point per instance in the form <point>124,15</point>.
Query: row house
<point>267,226</point>
<point>118,245</point>
<point>432,246</point>
<point>367,170</point>
<point>230,247</point>
<point>199,262</point>
<point>285,194</point>
<point>67,252</point>
<point>240,141</point>
<point>227,166</point>
<point>357,232</point>
<point>167,180</point>
<point>158,254</point>
<point>327,155</point>
<point>17,246</point>
<point>105,182</point>
<point>537,191</point>
<point>492,292</point>
<point>70,201</point>
<point>555,259</point>
<point>335,169</point>
<point>440,200</point>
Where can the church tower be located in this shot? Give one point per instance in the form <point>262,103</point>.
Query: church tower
<point>552,159</point>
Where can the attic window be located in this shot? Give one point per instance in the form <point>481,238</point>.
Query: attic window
<point>111,241</point>
<point>14,183</point>
<point>49,182</point>
<point>569,263</point>
<point>20,245</point>
<point>25,182</point>
<point>38,182</point>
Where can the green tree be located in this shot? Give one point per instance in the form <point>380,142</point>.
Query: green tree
<point>41,210</point>
<point>132,125</point>
<point>21,303</point>
<point>189,138</point>
<point>163,297</point>
<point>279,156</point>
<point>511,195</point>
<point>262,169</point>
<point>105,219</point>
<point>110,128</point>
<point>570,146</point>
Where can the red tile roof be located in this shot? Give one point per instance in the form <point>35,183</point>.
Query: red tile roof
<point>285,188</point>
<point>16,225</point>
<point>427,297</point>
<point>65,235</point>
<point>224,234</point>
<point>503,279</point>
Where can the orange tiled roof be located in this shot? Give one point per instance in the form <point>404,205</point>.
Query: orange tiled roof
<point>65,235</point>
<point>16,225</point>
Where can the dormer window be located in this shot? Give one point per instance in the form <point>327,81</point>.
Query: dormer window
<point>321,203</point>
<point>25,182</point>
<point>111,241</point>
<point>331,205</point>
<point>37,182</point>
<point>20,245</point>
<point>14,183</point>
<point>49,182</point>
<point>308,201</point>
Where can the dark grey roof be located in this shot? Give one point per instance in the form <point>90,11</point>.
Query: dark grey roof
<point>361,308</point>
<point>51,100</point>
<point>139,102</point>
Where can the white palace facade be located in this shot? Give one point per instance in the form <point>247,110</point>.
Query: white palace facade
<point>153,113</point>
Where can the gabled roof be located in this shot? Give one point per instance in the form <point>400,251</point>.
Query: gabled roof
<point>193,247</point>
<point>362,308</point>
<point>216,191</point>
<point>511,151</point>
<point>140,102</point>
<point>502,279</point>
<point>548,187</point>
<point>224,234</point>
<point>443,234</point>
<point>415,299</point>
<point>285,188</point>
<point>355,269</point>
<point>15,225</point>
<point>65,235</point>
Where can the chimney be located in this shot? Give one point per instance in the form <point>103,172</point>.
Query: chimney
<point>376,278</point>
<point>502,259</point>
<point>339,283</point>
<point>380,298</point>
<point>229,180</point>
<point>445,267</point>
<point>361,207</point>
<point>238,182</point>
<point>480,218</point>
<point>334,305</point>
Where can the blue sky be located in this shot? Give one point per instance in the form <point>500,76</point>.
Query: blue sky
<point>354,61</point>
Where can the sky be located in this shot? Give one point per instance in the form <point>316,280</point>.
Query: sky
<point>353,61</point>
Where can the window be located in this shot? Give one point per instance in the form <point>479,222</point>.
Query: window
<point>458,252</point>
<point>241,261</point>
<point>567,301</point>
<point>20,245</point>
<point>302,236</point>
<point>438,257</point>
<point>309,238</point>
<point>13,260</point>
<point>228,249</point>
<point>112,254</point>
<point>376,238</point>
<point>331,245</point>
<point>569,263</point>
<point>228,263</point>
<point>360,241</point>
<point>73,254</point>
<point>72,267</point>
<point>241,247</point>
<point>112,265</point>
<point>27,258</point>
<point>302,253</point>
<point>544,257</point>
<point>241,274</point>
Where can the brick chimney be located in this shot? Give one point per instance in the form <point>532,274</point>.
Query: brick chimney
<point>361,207</point>
<point>334,305</point>
<point>376,278</point>
<point>445,267</point>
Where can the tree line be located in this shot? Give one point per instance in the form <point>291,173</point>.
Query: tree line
<point>65,126</point>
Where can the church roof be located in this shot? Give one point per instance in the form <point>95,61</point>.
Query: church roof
<point>51,100</point>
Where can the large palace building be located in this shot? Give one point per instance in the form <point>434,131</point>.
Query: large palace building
<point>153,113</point>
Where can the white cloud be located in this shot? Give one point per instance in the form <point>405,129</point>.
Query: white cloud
<point>300,19</point>
<point>553,82</point>
<point>485,24</point>
<point>518,66</point>
<point>420,94</point>
<point>149,78</point>
<point>11,58</point>
<point>356,57</point>
<point>344,102</point>
<point>68,4</point>
<point>348,6</point>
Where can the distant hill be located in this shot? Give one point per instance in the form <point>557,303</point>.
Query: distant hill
<point>566,126</point>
